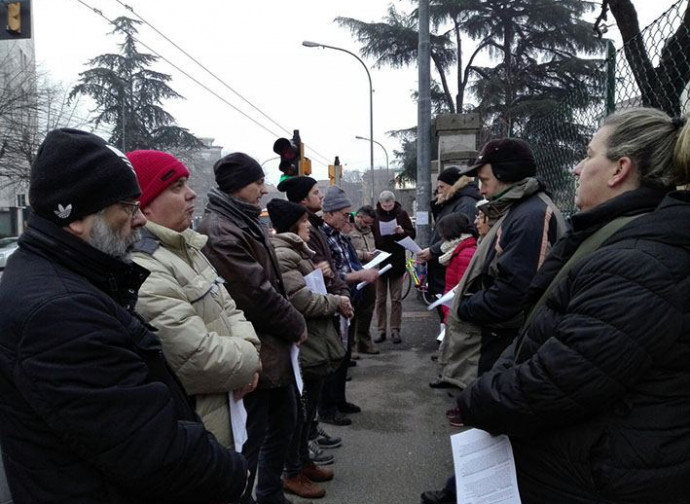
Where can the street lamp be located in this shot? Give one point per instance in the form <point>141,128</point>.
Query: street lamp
<point>388,173</point>
<point>306,43</point>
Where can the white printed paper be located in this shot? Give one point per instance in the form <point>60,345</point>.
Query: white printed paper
<point>484,468</point>
<point>409,244</point>
<point>238,422</point>
<point>388,228</point>
<point>294,357</point>
<point>315,282</point>
<point>378,259</point>
<point>422,219</point>
<point>445,300</point>
<point>344,329</point>
<point>361,285</point>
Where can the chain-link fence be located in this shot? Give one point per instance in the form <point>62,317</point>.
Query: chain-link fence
<point>651,70</point>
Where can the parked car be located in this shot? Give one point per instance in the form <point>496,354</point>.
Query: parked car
<point>7,247</point>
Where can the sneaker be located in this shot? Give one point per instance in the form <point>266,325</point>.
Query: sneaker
<point>381,338</point>
<point>302,486</point>
<point>326,441</point>
<point>395,337</point>
<point>318,456</point>
<point>317,474</point>
<point>348,407</point>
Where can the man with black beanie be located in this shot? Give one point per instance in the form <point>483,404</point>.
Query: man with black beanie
<point>241,252</point>
<point>89,408</point>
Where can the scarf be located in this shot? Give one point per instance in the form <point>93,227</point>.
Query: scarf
<point>448,247</point>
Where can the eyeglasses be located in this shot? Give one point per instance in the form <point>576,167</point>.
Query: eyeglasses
<point>133,207</point>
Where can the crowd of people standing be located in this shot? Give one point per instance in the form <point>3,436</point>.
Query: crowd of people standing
<point>161,363</point>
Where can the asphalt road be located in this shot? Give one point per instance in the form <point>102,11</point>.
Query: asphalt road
<point>399,445</point>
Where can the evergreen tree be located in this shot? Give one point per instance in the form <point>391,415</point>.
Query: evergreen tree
<point>128,95</point>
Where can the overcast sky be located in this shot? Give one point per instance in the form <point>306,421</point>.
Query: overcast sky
<point>255,47</point>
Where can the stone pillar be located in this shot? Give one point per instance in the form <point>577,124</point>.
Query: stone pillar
<point>457,140</point>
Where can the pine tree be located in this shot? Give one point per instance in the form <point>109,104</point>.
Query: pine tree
<point>128,95</point>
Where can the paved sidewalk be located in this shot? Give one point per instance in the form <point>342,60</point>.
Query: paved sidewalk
<point>399,445</point>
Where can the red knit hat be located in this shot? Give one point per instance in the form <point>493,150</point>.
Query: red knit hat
<point>156,171</point>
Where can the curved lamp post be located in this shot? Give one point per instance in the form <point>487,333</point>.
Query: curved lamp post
<point>388,173</point>
<point>306,43</point>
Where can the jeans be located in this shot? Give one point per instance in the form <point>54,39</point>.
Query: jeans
<point>270,425</point>
<point>298,453</point>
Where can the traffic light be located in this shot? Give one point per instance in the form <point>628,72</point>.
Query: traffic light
<point>335,171</point>
<point>15,20</point>
<point>291,152</point>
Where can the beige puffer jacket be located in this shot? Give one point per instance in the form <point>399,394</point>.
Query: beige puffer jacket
<point>208,342</point>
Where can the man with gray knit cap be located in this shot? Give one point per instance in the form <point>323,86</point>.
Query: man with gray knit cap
<point>90,410</point>
<point>241,252</point>
<point>336,214</point>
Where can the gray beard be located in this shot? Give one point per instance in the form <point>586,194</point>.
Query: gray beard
<point>105,239</point>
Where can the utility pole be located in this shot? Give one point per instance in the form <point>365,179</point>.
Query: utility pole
<point>424,129</point>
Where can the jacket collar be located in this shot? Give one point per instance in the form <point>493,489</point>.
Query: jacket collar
<point>118,279</point>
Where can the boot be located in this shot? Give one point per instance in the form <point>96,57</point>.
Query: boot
<point>381,338</point>
<point>395,337</point>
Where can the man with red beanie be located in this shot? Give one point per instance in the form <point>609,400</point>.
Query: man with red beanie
<point>208,342</point>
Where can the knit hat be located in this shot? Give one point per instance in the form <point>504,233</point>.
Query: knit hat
<point>335,199</point>
<point>76,174</point>
<point>296,188</point>
<point>511,160</point>
<point>235,171</point>
<point>156,172</point>
<point>450,175</point>
<point>284,214</point>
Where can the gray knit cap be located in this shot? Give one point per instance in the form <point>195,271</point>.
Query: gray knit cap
<point>335,200</point>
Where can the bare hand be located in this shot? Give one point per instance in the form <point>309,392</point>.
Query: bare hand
<point>368,256</point>
<point>369,275</point>
<point>345,307</point>
<point>399,229</point>
<point>241,392</point>
<point>325,269</point>
<point>424,255</point>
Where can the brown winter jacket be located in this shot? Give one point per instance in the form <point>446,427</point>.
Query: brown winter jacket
<point>241,253</point>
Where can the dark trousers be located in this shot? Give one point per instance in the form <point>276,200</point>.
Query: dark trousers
<point>298,453</point>
<point>333,394</point>
<point>270,424</point>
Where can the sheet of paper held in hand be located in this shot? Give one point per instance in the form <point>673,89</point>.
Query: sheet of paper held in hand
<point>315,282</point>
<point>238,421</point>
<point>388,228</point>
<point>484,468</point>
<point>410,245</point>
<point>445,300</point>
<point>294,357</point>
<point>378,259</point>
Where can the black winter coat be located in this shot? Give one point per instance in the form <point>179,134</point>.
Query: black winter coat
<point>388,243</point>
<point>463,200</point>
<point>90,411</point>
<point>597,404</point>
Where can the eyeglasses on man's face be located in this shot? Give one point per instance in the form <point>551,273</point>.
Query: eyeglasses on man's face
<point>132,207</point>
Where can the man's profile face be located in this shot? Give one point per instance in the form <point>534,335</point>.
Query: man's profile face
<point>364,222</point>
<point>313,200</point>
<point>442,188</point>
<point>115,228</point>
<point>252,193</point>
<point>174,207</point>
<point>337,219</point>
<point>489,186</point>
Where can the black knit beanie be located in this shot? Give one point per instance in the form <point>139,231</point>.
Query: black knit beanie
<point>296,188</point>
<point>235,171</point>
<point>284,214</point>
<point>76,174</point>
<point>450,175</point>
